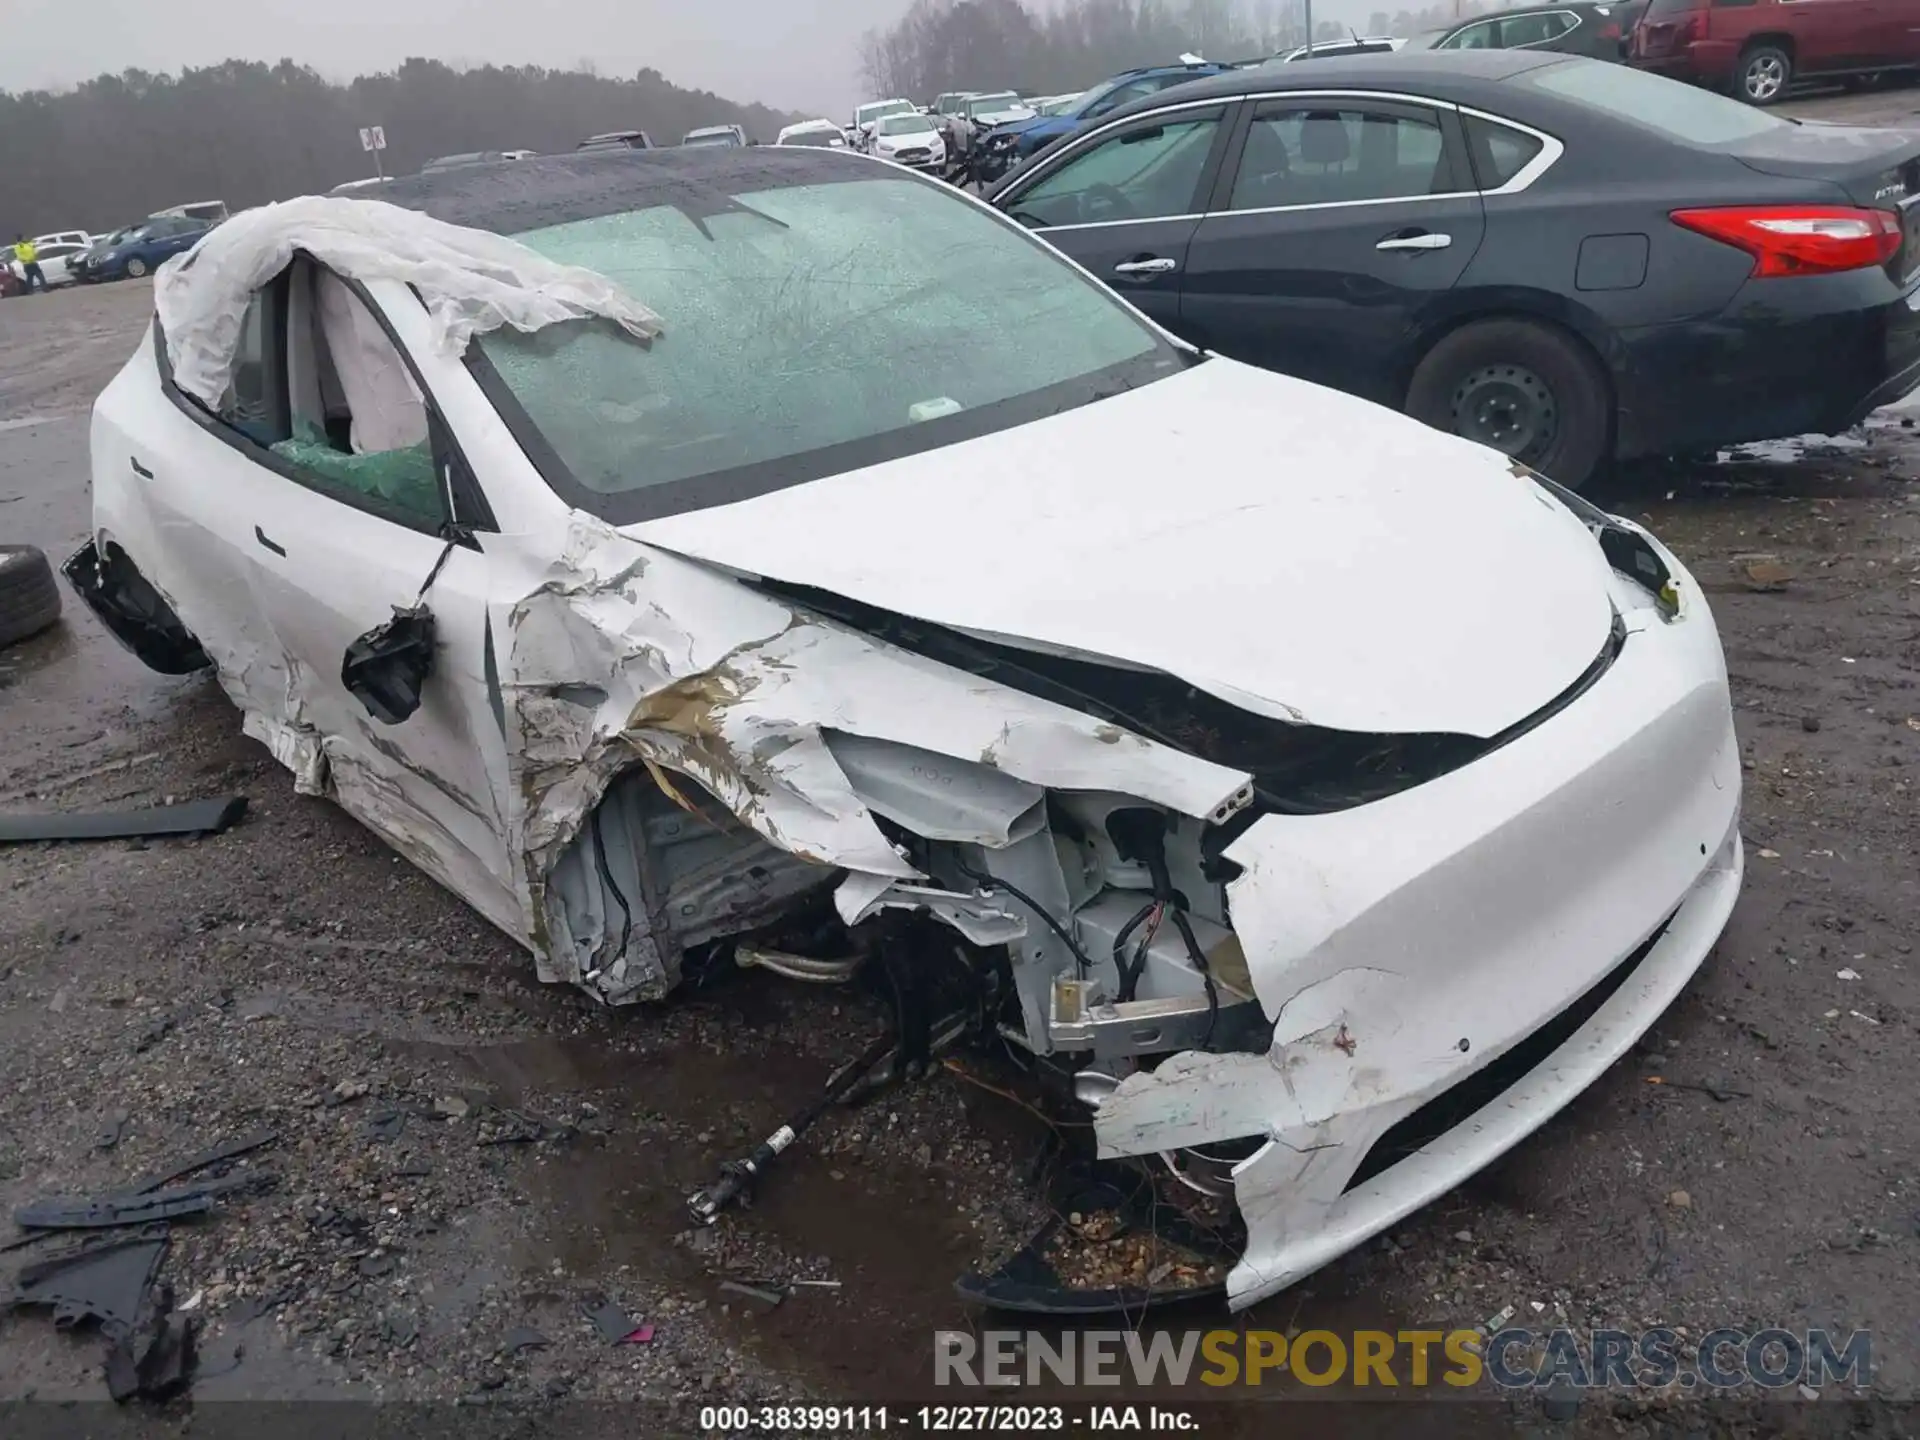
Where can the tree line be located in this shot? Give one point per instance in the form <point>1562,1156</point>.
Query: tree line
<point>972,44</point>
<point>115,149</point>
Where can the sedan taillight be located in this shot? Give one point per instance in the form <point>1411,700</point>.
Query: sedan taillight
<point>1800,239</point>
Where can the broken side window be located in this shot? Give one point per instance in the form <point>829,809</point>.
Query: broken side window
<point>359,425</point>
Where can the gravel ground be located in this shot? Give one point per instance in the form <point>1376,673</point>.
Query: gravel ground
<point>465,1156</point>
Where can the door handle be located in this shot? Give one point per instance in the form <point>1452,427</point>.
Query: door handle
<point>1155,265</point>
<point>261,536</point>
<point>142,471</point>
<point>1425,240</point>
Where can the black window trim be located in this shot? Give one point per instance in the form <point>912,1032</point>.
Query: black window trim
<point>460,487</point>
<point>1443,116</point>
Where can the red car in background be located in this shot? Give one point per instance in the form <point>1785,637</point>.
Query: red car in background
<point>1758,48</point>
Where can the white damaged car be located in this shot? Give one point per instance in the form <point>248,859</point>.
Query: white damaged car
<point>656,549</point>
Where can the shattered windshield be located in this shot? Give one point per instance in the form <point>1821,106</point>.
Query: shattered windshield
<point>810,329</point>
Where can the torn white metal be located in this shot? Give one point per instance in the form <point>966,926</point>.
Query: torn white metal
<point>470,281</point>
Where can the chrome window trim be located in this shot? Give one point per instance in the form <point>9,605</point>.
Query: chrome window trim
<point>1040,169</point>
<point>1571,17</point>
<point>1551,149</point>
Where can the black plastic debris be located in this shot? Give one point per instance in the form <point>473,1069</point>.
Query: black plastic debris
<point>374,1266</point>
<point>112,1132</point>
<point>616,1327</point>
<point>154,1362</point>
<point>384,1124</point>
<point>230,1150</point>
<point>387,668</point>
<point>103,1281</point>
<point>255,1306</point>
<point>196,817</point>
<point>106,1214</point>
<point>523,1337</point>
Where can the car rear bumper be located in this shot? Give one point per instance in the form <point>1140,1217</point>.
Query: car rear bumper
<point>1745,374</point>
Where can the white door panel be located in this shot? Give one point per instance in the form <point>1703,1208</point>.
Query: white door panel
<point>431,785</point>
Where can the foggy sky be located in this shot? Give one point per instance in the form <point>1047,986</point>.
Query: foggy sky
<point>792,54</point>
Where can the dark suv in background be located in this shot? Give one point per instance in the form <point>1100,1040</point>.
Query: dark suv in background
<point>1759,48</point>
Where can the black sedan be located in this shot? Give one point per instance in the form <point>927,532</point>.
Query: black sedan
<point>1561,258</point>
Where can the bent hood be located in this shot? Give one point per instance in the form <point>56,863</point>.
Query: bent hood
<point>1292,550</point>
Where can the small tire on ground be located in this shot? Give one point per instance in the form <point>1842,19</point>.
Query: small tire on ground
<point>1756,62</point>
<point>1582,395</point>
<point>29,598</point>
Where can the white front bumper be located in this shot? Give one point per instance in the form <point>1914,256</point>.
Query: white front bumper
<point>1405,946</point>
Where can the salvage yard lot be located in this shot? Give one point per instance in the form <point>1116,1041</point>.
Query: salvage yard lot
<point>464,1153</point>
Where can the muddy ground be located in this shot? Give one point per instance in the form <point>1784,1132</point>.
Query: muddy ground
<point>464,1154</point>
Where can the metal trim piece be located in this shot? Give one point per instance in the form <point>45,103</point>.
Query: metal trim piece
<point>1551,149</point>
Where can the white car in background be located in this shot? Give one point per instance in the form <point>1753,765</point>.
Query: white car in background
<point>913,140</point>
<point>820,134</point>
<point>733,135</point>
<point>999,107</point>
<point>55,253</point>
<point>1339,49</point>
<point>865,116</point>
<point>1427,765</point>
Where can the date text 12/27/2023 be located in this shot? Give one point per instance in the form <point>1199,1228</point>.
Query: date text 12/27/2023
<point>943,1419</point>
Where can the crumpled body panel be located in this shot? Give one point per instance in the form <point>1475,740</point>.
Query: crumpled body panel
<point>626,654</point>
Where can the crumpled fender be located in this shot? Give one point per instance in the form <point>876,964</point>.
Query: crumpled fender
<point>625,654</point>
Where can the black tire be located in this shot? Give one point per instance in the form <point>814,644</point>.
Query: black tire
<point>1523,388</point>
<point>1763,75</point>
<point>136,267</point>
<point>29,599</point>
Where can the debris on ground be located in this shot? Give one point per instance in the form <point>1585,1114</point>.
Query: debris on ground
<point>193,1165</point>
<point>764,1295</point>
<point>103,1281</point>
<point>198,817</point>
<point>615,1325</point>
<point>154,1361</point>
<point>113,1281</point>
<point>523,1337</point>
<point>1099,1255</point>
<point>1764,572</point>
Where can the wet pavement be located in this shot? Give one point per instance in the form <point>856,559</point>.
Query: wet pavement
<point>464,1152</point>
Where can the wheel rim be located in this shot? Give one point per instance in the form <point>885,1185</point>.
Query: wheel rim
<point>1509,408</point>
<point>136,268</point>
<point>1766,74</point>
